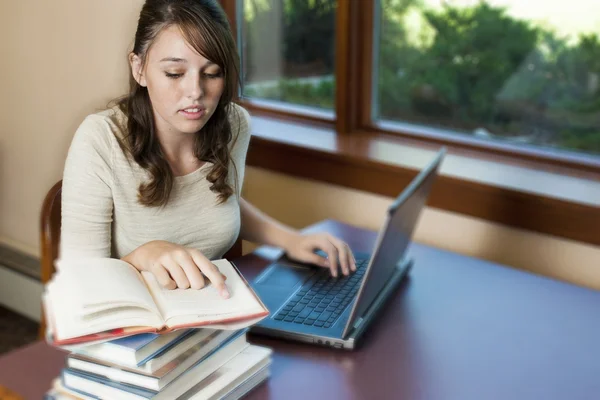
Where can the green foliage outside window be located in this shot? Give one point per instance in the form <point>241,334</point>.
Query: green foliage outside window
<point>466,69</point>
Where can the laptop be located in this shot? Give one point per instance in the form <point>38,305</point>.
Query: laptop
<point>308,305</point>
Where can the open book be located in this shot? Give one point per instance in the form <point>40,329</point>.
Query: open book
<point>97,299</point>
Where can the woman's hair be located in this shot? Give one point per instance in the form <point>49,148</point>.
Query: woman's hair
<point>204,26</point>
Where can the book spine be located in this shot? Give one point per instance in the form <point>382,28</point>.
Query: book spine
<point>146,391</point>
<point>166,348</point>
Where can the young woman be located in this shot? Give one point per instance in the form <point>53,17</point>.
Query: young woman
<point>156,179</point>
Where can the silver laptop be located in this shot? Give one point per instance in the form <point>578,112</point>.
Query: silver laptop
<point>309,305</point>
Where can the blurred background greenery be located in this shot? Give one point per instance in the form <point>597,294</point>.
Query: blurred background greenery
<point>473,69</point>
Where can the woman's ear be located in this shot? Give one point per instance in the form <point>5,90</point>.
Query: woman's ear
<point>137,69</point>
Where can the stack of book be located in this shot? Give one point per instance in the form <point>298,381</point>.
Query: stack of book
<point>129,338</point>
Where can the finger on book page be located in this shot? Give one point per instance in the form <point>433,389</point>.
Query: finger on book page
<point>211,271</point>
<point>177,273</point>
<point>192,271</point>
<point>222,276</point>
<point>163,277</point>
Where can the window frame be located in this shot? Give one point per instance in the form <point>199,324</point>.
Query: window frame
<point>352,163</point>
<point>354,92</point>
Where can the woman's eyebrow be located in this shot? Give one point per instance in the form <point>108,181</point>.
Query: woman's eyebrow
<point>173,59</point>
<point>183,60</point>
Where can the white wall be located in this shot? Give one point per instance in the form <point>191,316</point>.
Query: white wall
<point>61,60</point>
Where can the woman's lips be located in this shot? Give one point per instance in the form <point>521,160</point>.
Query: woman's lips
<point>193,113</point>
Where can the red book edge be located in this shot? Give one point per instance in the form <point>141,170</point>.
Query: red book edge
<point>129,331</point>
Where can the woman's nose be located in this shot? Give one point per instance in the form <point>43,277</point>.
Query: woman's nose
<point>195,90</point>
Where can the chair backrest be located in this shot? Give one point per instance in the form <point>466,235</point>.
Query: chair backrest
<point>50,238</point>
<point>50,221</point>
<point>50,230</point>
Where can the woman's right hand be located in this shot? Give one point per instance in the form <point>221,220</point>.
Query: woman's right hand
<point>175,266</point>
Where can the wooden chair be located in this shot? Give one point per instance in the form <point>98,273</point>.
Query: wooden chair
<point>49,238</point>
<point>50,220</point>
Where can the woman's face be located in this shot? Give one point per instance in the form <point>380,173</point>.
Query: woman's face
<point>184,87</point>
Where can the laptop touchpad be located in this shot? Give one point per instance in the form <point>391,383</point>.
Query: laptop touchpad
<point>283,276</point>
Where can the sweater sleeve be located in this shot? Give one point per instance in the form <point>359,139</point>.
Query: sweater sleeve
<point>87,202</point>
<point>240,129</point>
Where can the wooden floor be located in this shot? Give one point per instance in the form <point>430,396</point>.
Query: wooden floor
<point>15,330</point>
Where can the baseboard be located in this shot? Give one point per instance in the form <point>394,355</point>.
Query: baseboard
<point>20,293</point>
<point>19,261</point>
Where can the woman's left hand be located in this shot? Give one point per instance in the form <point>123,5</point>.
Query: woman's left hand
<point>302,248</point>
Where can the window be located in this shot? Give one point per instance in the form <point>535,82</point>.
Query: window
<point>509,71</point>
<point>288,53</point>
<point>514,76</point>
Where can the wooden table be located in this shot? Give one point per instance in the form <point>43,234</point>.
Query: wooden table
<point>458,329</point>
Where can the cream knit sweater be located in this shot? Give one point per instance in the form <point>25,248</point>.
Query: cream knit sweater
<point>101,216</point>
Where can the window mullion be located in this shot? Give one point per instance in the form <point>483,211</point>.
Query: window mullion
<point>354,37</point>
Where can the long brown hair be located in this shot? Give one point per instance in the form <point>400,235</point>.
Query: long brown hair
<point>204,25</point>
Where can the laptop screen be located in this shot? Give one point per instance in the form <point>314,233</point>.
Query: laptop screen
<point>395,237</point>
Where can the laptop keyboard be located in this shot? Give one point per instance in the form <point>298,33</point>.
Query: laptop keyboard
<point>322,298</point>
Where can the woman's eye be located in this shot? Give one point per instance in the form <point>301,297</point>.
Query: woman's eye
<point>213,76</point>
<point>173,76</point>
<point>206,75</point>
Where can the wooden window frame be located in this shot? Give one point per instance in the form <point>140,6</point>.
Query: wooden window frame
<point>351,165</point>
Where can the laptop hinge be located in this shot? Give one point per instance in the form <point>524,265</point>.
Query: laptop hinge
<point>358,322</point>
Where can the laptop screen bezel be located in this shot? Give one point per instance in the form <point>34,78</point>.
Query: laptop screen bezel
<point>430,169</point>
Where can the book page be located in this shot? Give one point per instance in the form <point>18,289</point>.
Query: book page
<point>190,306</point>
<point>234,373</point>
<point>100,284</point>
<point>63,311</point>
